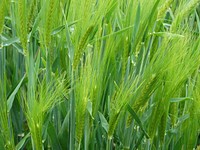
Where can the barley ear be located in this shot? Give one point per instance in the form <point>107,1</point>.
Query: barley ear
<point>187,9</point>
<point>31,14</point>
<point>113,123</point>
<point>142,100</point>
<point>2,12</point>
<point>162,10</point>
<point>49,21</point>
<point>81,46</point>
<point>162,128</point>
<point>23,25</point>
<point>80,119</point>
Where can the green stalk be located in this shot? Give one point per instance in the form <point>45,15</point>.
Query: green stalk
<point>72,114</point>
<point>108,144</point>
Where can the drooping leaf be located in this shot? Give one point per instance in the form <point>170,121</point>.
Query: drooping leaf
<point>12,96</point>
<point>21,143</point>
<point>104,122</point>
<point>137,119</point>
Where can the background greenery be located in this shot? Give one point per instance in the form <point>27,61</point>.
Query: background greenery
<point>99,74</point>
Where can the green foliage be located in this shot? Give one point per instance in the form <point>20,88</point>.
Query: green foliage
<point>99,74</point>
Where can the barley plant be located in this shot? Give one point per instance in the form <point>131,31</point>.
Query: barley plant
<point>99,74</point>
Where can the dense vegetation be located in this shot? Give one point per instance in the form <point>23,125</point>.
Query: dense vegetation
<point>99,74</point>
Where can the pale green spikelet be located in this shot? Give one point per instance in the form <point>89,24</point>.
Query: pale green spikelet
<point>80,119</point>
<point>187,9</point>
<point>2,12</point>
<point>145,93</point>
<point>162,10</point>
<point>4,7</point>
<point>113,123</point>
<point>162,128</point>
<point>31,14</point>
<point>49,21</point>
<point>81,46</point>
<point>23,25</point>
<point>141,101</point>
<point>190,7</point>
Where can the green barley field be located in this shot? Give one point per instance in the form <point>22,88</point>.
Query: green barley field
<point>99,74</point>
